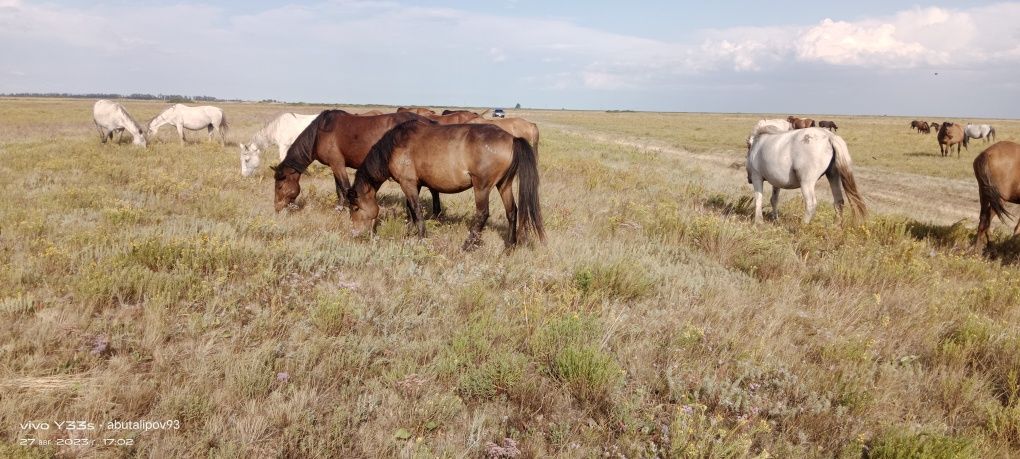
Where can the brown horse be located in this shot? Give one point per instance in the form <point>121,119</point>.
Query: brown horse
<point>997,170</point>
<point>517,127</point>
<point>416,110</point>
<point>934,125</point>
<point>924,128</point>
<point>338,140</point>
<point>450,112</point>
<point>915,124</point>
<point>371,113</point>
<point>950,134</point>
<point>451,159</point>
<point>458,117</point>
<point>830,125</point>
<point>800,123</point>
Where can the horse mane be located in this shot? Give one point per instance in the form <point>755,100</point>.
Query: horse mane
<point>376,169</point>
<point>302,152</point>
<point>260,137</point>
<point>124,111</point>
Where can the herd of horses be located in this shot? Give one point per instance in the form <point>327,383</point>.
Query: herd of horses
<point>949,133</point>
<point>458,150</point>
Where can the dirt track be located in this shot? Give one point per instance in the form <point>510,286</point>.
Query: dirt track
<point>920,197</point>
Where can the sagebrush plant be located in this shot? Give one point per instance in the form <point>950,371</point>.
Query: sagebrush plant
<point>159,284</point>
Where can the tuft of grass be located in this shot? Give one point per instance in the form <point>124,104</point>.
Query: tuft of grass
<point>900,444</point>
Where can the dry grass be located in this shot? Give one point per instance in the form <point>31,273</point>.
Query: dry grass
<point>159,284</point>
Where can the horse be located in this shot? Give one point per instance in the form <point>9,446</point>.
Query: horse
<point>416,110</point>
<point>934,125</point>
<point>450,112</point>
<point>800,123</point>
<point>451,159</point>
<point>371,113</point>
<point>111,117</point>
<point>192,118</point>
<point>830,125</point>
<point>978,131</point>
<point>339,140</point>
<point>776,124</point>
<point>915,124</point>
<point>517,127</point>
<point>459,117</point>
<point>951,134</point>
<point>281,131</point>
<point>797,159</point>
<point>923,127</point>
<point>997,170</point>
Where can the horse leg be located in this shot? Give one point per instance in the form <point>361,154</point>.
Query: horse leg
<point>180,132</point>
<point>342,183</point>
<point>808,191</point>
<point>984,221</point>
<point>120,136</point>
<point>775,203</point>
<point>759,185</point>
<point>507,194</point>
<point>411,193</point>
<point>481,216</point>
<point>437,206</point>
<point>209,131</point>
<point>408,204</point>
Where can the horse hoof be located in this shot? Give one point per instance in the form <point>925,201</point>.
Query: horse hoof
<point>339,208</point>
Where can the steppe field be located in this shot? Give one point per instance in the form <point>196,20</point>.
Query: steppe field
<point>656,321</point>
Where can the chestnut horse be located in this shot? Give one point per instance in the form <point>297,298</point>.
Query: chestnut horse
<point>458,117</point>
<point>451,159</point>
<point>951,134</point>
<point>339,140</point>
<point>416,110</point>
<point>997,170</point>
<point>517,127</point>
<point>800,123</point>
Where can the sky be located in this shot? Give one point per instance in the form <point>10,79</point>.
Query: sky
<point>958,59</point>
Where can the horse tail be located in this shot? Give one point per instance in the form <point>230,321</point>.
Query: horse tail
<point>525,165</point>
<point>224,126</point>
<point>987,192</point>
<point>966,140</point>
<point>846,175</point>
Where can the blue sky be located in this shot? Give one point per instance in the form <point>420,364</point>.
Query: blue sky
<point>956,59</point>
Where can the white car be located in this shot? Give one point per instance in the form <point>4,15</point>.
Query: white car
<point>498,113</point>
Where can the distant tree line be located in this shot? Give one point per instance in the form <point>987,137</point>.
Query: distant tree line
<point>164,97</point>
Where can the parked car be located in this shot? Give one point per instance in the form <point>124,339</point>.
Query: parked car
<point>498,113</point>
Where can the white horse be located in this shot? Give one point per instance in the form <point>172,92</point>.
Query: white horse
<point>780,125</point>
<point>797,159</point>
<point>282,131</point>
<point>193,118</point>
<point>978,131</point>
<point>111,117</point>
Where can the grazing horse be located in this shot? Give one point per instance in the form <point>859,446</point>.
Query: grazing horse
<point>416,110</point>
<point>978,131</point>
<point>280,131</point>
<point>192,118</point>
<point>828,125</point>
<point>997,170</point>
<point>915,124</point>
<point>934,125</point>
<point>517,127</point>
<point>923,127</point>
<point>451,159</point>
<point>951,134</point>
<point>111,117</point>
<point>797,159</point>
<point>339,140</point>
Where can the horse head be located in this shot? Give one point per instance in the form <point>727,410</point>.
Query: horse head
<point>287,188</point>
<point>364,207</point>
<point>250,159</point>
